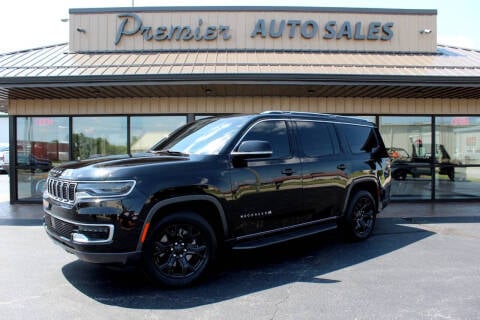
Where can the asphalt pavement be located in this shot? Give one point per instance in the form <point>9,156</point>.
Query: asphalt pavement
<point>422,262</point>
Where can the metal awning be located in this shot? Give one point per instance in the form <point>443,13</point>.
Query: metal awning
<point>53,72</point>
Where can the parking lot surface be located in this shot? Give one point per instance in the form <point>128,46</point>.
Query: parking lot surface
<point>421,263</point>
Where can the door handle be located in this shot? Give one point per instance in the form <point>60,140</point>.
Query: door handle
<point>288,172</point>
<point>341,166</point>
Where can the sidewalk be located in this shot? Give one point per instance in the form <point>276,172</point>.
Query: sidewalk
<point>20,214</point>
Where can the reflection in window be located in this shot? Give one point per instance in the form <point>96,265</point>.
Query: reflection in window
<point>146,131</point>
<point>317,138</point>
<point>206,136</point>
<point>99,136</point>
<point>408,141</point>
<point>458,157</point>
<point>274,132</point>
<point>461,138</point>
<point>361,139</point>
<point>42,142</point>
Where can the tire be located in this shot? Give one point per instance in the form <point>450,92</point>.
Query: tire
<point>179,250</point>
<point>360,216</point>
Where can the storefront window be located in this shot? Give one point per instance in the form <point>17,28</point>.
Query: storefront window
<point>42,142</point>
<point>457,167</point>
<point>408,140</point>
<point>145,131</point>
<point>98,136</point>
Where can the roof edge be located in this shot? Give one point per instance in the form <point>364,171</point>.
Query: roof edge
<point>280,78</point>
<point>33,49</point>
<point>253,9</point>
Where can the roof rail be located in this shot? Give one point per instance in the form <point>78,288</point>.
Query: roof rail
<point>274,112</point>
<point>296,113</point>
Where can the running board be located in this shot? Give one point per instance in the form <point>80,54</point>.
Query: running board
<point>285,236</point>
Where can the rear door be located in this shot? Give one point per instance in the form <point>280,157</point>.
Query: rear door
<point>324,167</point>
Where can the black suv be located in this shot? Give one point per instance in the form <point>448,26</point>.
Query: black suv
<point>240,182</point>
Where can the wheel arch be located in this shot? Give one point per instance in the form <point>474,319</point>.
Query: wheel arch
<point>200,204</point>
<point>368,184</point>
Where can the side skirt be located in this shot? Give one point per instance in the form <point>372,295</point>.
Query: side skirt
<point>267,239</point>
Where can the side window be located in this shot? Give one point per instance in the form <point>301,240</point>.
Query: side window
<point>274,132</point>
<point>361,138</point>
<point>317,138</point>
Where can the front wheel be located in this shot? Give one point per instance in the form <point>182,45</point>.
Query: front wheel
<point>360,216</point>
<point>179,249</point>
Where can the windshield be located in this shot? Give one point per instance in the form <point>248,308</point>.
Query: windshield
<point>207,136</point>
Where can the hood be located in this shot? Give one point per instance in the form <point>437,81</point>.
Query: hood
<point>111,167</point>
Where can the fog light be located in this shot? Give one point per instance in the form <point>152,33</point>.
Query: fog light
<point>92,234</point>
<point>80,238</point>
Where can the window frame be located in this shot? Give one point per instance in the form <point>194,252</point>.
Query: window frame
<point>290,137</point>
<point>334,139</point>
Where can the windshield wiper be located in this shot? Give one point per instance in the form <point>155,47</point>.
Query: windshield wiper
<point>170,152</point>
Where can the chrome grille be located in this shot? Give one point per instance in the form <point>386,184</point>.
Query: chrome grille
<point>61,190</point>
<point>60,227</point>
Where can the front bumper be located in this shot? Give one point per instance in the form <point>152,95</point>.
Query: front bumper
<point>101,231</point>
<point>95,257</point>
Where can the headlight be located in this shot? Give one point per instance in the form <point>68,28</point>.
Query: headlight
<point>104,189</point>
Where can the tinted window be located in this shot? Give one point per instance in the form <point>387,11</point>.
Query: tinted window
<point>274,132</point>
<point>360,138</point>
<point>316,138</point>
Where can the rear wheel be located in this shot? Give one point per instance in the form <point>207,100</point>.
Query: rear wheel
<point>179,249</point>
<point>360,216</point>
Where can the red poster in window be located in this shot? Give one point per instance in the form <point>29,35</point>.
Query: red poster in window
<point>460,121</point>
<point>43,122</point>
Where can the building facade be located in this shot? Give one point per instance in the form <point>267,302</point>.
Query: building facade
<point>129,76</point>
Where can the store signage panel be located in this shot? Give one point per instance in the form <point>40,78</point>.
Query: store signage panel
<point>132,25</point>
<point>145,31</point>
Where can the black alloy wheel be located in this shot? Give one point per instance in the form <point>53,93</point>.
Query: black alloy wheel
<point>179,249</point>
<point>361,216</point>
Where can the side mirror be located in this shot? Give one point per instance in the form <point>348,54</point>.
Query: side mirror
<point>253,149</point>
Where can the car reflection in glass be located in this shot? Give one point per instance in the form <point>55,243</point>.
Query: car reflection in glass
<point>420,163</point>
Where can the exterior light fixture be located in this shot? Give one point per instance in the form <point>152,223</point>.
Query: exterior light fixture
<point>81,30</point>
<point>426,31</point>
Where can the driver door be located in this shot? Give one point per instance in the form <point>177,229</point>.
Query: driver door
<point>267,192</point>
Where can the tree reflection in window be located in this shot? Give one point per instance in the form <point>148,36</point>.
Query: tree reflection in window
<point>99,136</point>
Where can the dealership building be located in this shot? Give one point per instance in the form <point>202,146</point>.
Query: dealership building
<point>130,76</point>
